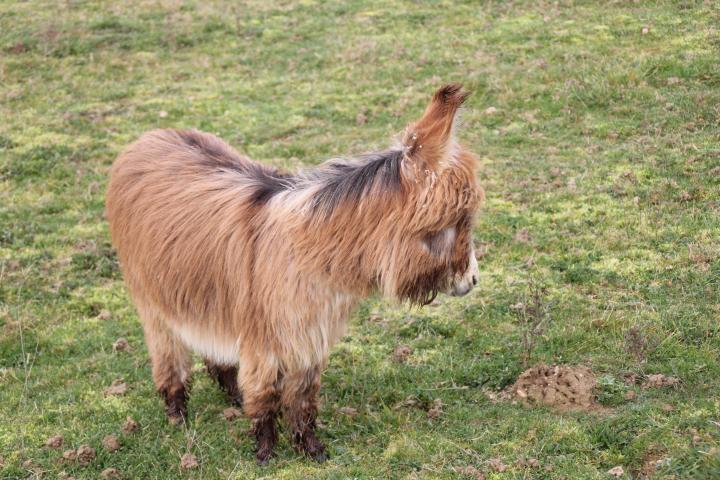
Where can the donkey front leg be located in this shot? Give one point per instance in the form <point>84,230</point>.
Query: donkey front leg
<point>259,381</point>
<point>300,406</point>
<point>171,362</point>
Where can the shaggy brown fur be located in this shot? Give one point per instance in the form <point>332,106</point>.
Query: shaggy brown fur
<point>259,270</point>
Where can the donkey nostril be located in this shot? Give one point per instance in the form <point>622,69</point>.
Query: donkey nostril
<point>474,279</point>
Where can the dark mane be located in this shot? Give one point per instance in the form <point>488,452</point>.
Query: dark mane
<point>340,180</point>
<point>349,180</point>
<point>270,182</point>
<point>216,154</point>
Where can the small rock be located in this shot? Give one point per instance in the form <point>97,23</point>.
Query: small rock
<point>673,81</point>
<point>497,465</point>
<point>571,185</point>
<point>470,471</point>
<point>55,441</point>
<point>696,439</point>
<point>529,463</point>
<point>645,30</point>
<point>522,235</point>
<point>120,345</point>
<point>69,455</point>
<point>104,315</point>
<point>162,114</point>
<point>408,402</point>
<point>130,425</point>
<point>85,454</point>
<point>529,117</point>
<point>231,413</point>
<point>667,408</point>
<point>360,119</point>
<point>117,387</point>
<point>349,411</point>
<point>491,111</point>
<point>188,461</point>
<point>111,443</point>
<point>659,380</point>
<point>630,395</point>
<point>630,175</point>
<point>402,352</point>
<point>436,410</point>
<point>110,473</point>
<point>630,378</point>
<point>616,472</point>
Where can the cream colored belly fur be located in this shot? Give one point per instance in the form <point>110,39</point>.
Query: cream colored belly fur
<point>218,349</point>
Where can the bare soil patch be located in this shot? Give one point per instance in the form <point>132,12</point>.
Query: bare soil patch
<point>562,387</point>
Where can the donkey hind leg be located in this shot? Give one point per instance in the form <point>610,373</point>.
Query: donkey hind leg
<point>299,401</point>
<point>259,381</point>
<point>227,378</point>
<point>171,363</point>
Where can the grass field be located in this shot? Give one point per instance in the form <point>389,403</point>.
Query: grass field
<point>598,127</point>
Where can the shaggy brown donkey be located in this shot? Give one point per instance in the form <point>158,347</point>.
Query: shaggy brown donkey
<point>258,270</point>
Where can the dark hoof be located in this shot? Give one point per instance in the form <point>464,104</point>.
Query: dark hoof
<point>263,457</point>
<point>320,457</point>
<point>312,447</point>
<point>176,420</point>
<point>176,405</point>
<point>266,438</point>
<point>236,400</point>
<point>176,414</point>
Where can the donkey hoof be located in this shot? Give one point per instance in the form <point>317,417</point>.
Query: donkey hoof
<point>320,457</point>
<point>176,419</point>
<point>314,449</point>
<point>263,456</point>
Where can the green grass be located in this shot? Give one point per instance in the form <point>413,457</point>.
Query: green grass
<point>605,146</point>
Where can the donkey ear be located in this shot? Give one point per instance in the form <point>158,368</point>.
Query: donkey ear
<point>430,140</point>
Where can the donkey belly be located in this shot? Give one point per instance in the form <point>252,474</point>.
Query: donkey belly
<point>220,349</point>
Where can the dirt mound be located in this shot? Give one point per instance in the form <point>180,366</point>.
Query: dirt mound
<point>561,387</point>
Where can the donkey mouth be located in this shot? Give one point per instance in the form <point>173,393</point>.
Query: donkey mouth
<point>460,290</point>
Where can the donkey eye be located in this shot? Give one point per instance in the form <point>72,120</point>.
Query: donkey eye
<point>440,243</point>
